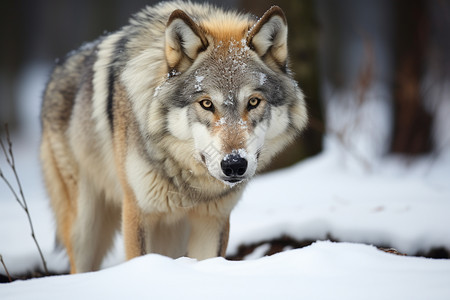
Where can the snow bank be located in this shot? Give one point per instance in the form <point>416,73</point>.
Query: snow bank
<point>394,205</point>
<point>324,270</point>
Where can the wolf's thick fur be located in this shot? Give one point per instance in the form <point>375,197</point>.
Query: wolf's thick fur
<point>160,125</point>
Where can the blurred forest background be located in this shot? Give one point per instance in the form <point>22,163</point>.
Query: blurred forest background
<point>374,70</point>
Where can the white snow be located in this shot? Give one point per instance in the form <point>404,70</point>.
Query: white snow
<point>322,271</point>
<point>403,207</point>
<point>242,152</point>
<point>221,121</point>
<point>258,252</point>
<point>173,73</point>
<point>157,89</point>
<point>198,85</point>
<point>229,100</point>
<point>244,45</point>
<point>242,124</point>
<point>262,78</point>
<point>199,78</point>
<point>394,203</point>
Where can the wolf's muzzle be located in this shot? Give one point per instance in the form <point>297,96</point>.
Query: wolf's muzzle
<point>234,167</point>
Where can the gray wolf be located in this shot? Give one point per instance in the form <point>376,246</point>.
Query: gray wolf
<point>157,128</point>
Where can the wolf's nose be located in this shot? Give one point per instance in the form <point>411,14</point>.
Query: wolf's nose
<point>234,165</point>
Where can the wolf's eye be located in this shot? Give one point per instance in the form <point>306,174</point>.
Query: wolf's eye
<point>253,103</point>
<point>207,105</point>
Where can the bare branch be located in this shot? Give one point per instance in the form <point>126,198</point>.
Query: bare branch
<point>13,165</point>
<point>11,189</point>
<point>22,201</point>
<point>6,269</point>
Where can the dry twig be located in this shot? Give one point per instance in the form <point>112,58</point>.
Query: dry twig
<point>6,269</point>
<point>9,156</point>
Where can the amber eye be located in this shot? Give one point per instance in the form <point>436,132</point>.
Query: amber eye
<point>253,103</point>
<point>207,105</point>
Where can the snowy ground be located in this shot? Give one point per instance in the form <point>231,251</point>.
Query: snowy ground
<point>322,271</point>
<point>393,203</point>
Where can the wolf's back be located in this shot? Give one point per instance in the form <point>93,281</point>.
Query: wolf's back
<point>64,83</point>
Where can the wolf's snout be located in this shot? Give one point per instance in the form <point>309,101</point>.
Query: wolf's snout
<point>233,165</point>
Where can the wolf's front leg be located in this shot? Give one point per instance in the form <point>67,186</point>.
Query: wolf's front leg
<point>131,228</point>
<point>209,236</point>
<point>153,233</point>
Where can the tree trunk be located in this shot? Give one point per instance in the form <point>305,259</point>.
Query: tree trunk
<point>412,123</point>
<point>12,31</point>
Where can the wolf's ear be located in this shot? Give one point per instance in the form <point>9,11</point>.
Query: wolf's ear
<point>268,37</point>
<point>184,39</point>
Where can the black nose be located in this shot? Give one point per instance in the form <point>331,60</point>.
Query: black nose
<point>234,165</point>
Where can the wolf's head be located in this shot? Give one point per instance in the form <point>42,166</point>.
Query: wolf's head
<point>229,90</point>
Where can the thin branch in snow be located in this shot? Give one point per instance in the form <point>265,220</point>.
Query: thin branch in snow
<point>9,156</point>
<point>6,269</point>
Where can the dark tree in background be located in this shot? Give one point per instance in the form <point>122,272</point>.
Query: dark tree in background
<point>12,52</point>
<point>436,87</point>
<point>422,71</point>
<point>406,41</point>
<point>412,123</point>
